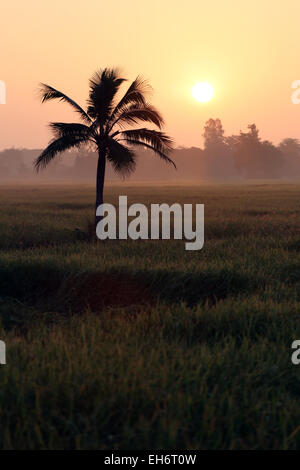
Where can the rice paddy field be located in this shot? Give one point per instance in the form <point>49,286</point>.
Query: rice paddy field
<point>142,344</point>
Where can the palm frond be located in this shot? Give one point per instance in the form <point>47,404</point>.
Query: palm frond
<point>121,157</point>
<point>57,146</point>
<point>150,136</point>
<point>61,129</point>
<point>134,95</point>
<point>49,93</point>
<point>104,85</point>
<point>133,114</point>
<point>158,142</point>
<point>162,155</point>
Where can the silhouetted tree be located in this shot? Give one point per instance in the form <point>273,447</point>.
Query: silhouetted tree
<point>255,158</point>
<point>290,149</point>
<point>213,133</point>
<point>105,125</point>
<point>216,150</point>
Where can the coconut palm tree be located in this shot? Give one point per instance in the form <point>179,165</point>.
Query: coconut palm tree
<point>105,125</point>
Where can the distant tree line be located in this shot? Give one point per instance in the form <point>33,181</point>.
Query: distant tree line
<point>244,155</point>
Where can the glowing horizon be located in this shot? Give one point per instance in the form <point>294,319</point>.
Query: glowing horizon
<point>251,56</point>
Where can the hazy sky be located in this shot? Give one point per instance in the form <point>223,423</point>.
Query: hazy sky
<point>249,51</point>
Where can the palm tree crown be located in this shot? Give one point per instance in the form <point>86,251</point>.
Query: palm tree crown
<point>105,124</point>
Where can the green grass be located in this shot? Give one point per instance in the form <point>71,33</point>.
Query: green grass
<point>142,344</point>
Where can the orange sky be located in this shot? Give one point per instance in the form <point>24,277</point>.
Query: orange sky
<point>249,51</point>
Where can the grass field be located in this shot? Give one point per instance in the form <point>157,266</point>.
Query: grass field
<point>141,344</point>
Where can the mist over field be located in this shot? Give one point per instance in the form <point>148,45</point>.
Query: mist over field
<point>237,157</point>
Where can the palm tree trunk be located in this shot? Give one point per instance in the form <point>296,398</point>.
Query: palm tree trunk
<point>100,181</point>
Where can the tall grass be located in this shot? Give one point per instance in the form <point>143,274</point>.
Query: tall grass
<point>141,344</point>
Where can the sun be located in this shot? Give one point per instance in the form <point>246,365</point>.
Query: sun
<point>203,92</point>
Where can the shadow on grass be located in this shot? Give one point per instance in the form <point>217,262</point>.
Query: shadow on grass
<point>48,287</point>
<point>98,291</point>
<point>257,213</point>
<point>24,238</point>
<point>294,245</point>
<point>290,273</point>
<point>71,206</point>
<point>201,287</point>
